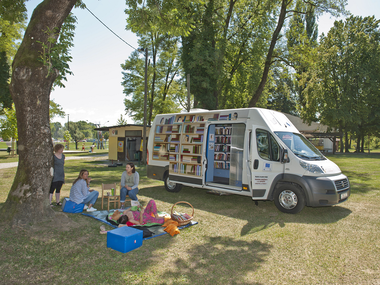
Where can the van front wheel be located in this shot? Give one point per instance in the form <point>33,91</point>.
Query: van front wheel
<point>289,198</point>
<point>171,186</point>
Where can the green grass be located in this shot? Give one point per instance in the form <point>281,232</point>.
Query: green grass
<point>235,241</point>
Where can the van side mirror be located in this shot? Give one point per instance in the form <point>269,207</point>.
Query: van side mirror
<point>285,156</point>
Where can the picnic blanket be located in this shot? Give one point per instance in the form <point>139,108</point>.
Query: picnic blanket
<point>157,230</point>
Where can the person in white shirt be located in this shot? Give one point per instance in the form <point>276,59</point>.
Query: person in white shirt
<point>129,183</point>
<point>81,193</point>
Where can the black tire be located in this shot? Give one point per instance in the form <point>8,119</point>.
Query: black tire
<point>170,186</point>
<point>289,198</point>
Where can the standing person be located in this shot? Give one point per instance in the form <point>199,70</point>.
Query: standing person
<point>59,174</point>
<point>129,183</point>
<point>81,193</point>
<point>83,149</point>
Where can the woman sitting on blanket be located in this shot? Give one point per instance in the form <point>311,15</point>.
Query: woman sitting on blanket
<point>140,217</point>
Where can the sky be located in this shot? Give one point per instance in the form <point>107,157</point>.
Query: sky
<point>94,92</point>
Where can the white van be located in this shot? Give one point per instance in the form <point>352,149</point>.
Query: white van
<point>252,152</point>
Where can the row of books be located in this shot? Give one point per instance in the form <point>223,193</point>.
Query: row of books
<point>164,156</point>
<point>223,140</point>
<point>157,147</point>
<point>186,169</point>
<point>222,165</point>
<point>167,121</point>
<point>190,119</point>
<point>196,170</point>
<point>173,157</point>
<point>174,167</point>
<point>168,129</point>
<point>223,131</point>
<point>173,129</point>
<point>169,147</point>
<point>222,147</point>
<point>224,117</point>
<point>158,139</point>
<point>189,129</point>
<point>173,148</point>
<point>200,130</point>
<point>194,159</point>
<point>191,169</point>
<point>196,149</point>
<point>197,139</point>
<point>172,138</point>
<point>222,156</point>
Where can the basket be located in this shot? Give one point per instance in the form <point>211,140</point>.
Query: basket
<point>182,219</point>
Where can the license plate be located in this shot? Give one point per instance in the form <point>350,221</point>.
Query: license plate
<point>343,196</point>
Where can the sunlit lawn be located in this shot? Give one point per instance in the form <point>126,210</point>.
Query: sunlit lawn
<point>235,241</point>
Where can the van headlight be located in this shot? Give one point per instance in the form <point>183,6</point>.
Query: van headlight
<point>313,168</point>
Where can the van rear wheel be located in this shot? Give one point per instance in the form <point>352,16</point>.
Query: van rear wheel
<point>171,186</point>
<point>289,198</point>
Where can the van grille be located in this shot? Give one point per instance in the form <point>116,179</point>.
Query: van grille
<point>341,185</point>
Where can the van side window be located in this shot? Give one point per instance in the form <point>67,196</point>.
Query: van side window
<point>267,146</point>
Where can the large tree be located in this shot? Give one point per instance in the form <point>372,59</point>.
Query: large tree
<point>288,8</point>
<point>222,51</point>
<point>12,24</point>
<point>31,82</point>
<point>344,89</point>
<point>5,95</point>
<point>164,78</point>
<point>302,37</point>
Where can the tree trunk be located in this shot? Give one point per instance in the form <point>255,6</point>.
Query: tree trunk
<point>30,87</point>
<point>341,143</point>
<point>358,144</point>
<point>362,145</point>
<point>268,60</point>
<point>346,142</point>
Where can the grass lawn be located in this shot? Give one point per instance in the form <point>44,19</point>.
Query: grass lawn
<point>235,241</point>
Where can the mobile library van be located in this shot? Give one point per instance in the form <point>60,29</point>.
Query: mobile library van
<point>252,152</point>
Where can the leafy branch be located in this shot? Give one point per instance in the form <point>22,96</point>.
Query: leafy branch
<point>56,54</point>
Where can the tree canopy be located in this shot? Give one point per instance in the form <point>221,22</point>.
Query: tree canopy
<point>344,88</point>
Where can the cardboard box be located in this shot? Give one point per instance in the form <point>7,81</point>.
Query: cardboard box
<point>124,239</point>
<point>71,207</point>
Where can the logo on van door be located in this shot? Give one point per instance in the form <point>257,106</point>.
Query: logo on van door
<point>267,167</point>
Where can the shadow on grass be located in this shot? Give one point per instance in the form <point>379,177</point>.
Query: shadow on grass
<point>361,169</point>
<point>211,262</point>
<point>258,218</point>
<point>367,180</point>
<point>77,255</point>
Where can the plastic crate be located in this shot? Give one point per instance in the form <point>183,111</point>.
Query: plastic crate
<point>124,239</point>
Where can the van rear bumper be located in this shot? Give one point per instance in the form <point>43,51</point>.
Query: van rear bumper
<point>327,191</point>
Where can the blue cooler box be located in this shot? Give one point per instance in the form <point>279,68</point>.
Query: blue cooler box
<point>124,239</point>
<point>71,207</point>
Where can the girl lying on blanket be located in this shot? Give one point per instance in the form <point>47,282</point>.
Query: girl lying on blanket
<point>140,217</point>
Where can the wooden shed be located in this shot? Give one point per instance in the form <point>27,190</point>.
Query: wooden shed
<point>125,141</point>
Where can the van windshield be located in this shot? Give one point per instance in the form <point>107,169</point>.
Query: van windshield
<point>300,146</point>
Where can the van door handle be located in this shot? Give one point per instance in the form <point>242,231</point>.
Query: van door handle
<point>256,164</point>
